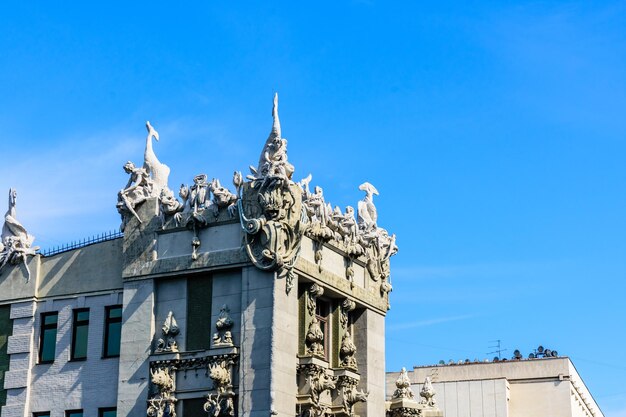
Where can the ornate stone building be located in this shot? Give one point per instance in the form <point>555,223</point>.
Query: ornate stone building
<point>255,301</point>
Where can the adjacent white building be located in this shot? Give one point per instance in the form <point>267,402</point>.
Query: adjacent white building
<point>540,387</point>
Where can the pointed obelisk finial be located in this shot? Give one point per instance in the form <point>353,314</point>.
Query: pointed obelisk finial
<point>276,125</point>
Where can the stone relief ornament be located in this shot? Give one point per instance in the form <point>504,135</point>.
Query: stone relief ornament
<point>224,324</point>
<point>403,386</point>
<point>428,393</point>
<point>347,352</point>
<point>15,242</point>
<point>271,210</point>
<point>170,330</point>
<point>221,403</point>
<point>162,403</point>
<point>314,338</point>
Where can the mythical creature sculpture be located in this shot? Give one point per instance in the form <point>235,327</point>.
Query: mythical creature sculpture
<point>224,324</point>
<point>222,198</point>
<point>170,330</point>
<point>270,208</point>
<point>169,205</point>
<point>15,241</point>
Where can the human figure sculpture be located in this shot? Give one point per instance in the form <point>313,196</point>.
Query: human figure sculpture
<point>273,160</point>
<point>137,190</point>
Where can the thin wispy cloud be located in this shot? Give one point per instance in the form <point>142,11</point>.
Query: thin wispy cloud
<point>429,322</point>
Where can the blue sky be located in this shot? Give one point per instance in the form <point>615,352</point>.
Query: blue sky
<point>494,131</point>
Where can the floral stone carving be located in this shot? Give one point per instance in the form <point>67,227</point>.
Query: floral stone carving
<point>170,330</point>
<point>15,242</point>
<point>224,324</point>
<point>428,393</point>
<point>271,210</point>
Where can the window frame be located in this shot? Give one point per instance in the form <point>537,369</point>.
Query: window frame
<point>75,324</point>
<point>41,414</point>
<point>42,330</point>
<point>108,320</point>
<point>103,410</point>
<point>325,321</point>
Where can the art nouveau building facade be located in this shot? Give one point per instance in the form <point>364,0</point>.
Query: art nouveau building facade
<point>265,301</point>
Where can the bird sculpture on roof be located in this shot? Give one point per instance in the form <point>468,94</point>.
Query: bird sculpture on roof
<point>367,213</point>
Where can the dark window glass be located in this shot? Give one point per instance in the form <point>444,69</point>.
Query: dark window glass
<point>193,407</point>
<point>42,414</point>
<point>6,330</point>
<point>107,412</point>
<point>80,330</point>
<point>48,337</point>
<point>74,413</point>
<point>322,310</point>
<point>199,295</point>
<point>112,331</point>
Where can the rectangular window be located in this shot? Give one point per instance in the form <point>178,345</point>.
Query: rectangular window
<point>74,413</point>
<point>322,312</point>
<point>48,337</point>
<point>199,296</point>
<point>6,330</point>
<point>112,331</point>
<point>107,412</point>
<point>80,330</point>
<point>42,414</point>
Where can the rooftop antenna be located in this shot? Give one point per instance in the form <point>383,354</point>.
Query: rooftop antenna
<point>497,347</point>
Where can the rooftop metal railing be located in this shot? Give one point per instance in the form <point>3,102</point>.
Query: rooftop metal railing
<point>103,237</point>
